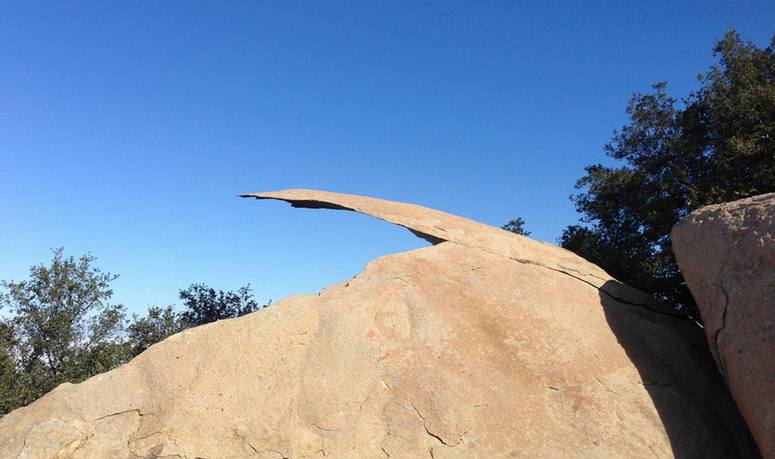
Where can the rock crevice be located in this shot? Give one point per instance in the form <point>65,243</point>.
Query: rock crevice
<point>726,253</point>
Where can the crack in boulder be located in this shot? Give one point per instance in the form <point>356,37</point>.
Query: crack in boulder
<point>119,413</point>
<point>428,430</point>
<point>717,335</point>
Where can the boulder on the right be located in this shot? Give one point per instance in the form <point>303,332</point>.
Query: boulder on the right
<point>726,253</point>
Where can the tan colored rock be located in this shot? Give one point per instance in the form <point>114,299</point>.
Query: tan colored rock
<point>486,345</point>
<point>726,253</point>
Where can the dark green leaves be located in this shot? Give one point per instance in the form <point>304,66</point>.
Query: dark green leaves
<point>204,305</point>
<point>716,145</point>
<point>63,327</point>
<point>516,226</point>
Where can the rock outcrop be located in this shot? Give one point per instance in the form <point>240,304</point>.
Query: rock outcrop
<point>726,253</point>
<point>486,344</point>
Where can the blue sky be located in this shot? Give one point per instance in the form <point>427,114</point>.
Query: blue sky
<point>127,129</point>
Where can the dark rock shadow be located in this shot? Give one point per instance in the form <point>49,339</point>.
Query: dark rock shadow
<point>680,375</point>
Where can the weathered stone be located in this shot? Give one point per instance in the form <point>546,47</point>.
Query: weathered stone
<point>726,253</point>
<point>487,344</point>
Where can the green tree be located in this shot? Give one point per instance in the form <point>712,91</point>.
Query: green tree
<point>204,304</point>
<point>157,325</point>
<point>516,226</point>
<point>715,145</point>
<point>9,378</point>
<point>63,326</point>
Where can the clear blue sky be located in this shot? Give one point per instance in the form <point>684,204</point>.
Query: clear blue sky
<point>128,128</point>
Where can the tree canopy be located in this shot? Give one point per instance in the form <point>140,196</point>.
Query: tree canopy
<point>155,326</point>
<point>516,226</point>
<point>62,326</point>
<point>204,304</point>
<point>715,145</point>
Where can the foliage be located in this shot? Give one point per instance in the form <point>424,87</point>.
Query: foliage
<point>716,145</point>
<point>9,378</point>
<point>204,305</point>
<point>157,325</point>
<point>516,226</point>
<point>63,328</point>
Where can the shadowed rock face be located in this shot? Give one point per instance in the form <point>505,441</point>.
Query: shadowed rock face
<point>726,252</point>
<point>487,344</point>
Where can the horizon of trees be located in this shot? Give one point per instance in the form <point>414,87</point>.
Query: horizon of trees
<point>63,327</point>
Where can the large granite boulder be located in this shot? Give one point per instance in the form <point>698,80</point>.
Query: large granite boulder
<point>726,253</point>
<point>484,345</point>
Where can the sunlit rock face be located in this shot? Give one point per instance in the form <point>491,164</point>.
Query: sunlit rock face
<point>485,345</point>
<point>726,253</point>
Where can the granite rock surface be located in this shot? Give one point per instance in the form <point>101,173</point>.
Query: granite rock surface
<point>485,344</point>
